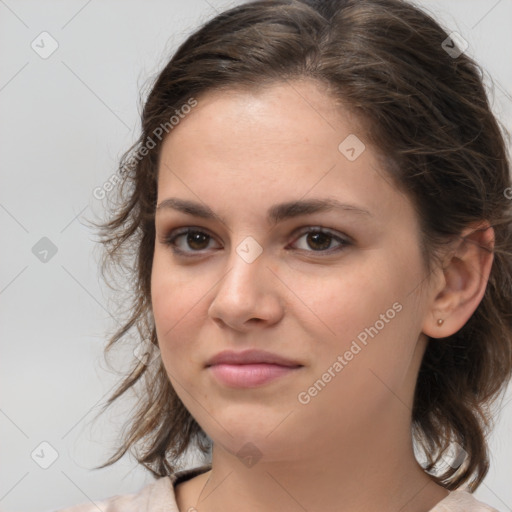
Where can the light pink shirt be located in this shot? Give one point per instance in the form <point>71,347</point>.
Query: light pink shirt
<point>159,497</point>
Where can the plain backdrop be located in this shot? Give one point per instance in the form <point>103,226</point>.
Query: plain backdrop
<point>65,119</point>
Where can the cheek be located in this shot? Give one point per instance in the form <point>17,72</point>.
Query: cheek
<point>177,310</point>
<point>171,291</point>
<point>169,302</point>
<point>349,301</point>
<point>162,290</point>
<point>369,312</point>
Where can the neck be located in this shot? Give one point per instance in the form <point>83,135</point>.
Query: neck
<point>371,472</point>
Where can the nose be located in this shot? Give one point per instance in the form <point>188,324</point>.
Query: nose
<point>248,294</point>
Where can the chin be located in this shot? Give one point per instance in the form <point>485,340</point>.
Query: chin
<point>246,429</point>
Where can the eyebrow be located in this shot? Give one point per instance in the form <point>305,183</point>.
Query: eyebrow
<point>276,213</point>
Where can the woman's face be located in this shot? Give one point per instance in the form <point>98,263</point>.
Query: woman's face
<point>344,308</point>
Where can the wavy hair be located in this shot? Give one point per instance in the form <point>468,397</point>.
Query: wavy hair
<point>425,110</point>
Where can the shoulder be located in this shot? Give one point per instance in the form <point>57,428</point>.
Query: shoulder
<point>157,497</point>
<point>461,500</point>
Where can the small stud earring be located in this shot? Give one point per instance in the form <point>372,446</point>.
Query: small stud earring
<point>440,321</point>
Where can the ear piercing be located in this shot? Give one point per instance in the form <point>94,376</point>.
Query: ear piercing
<point>440,321</point>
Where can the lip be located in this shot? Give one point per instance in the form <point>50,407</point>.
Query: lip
<point>251,356</point>
<point>250,368</point>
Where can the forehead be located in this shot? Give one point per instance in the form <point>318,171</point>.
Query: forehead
<point>293,109</point>
<point>278,143</point>
<point>284,123</point>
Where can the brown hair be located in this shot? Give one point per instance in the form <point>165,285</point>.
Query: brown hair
<point>426,111</point>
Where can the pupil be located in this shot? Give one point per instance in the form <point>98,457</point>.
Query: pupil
<point>195,237</point>
<point>315,236</point>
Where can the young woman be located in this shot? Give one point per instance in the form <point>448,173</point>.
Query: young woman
<point>319,215</point>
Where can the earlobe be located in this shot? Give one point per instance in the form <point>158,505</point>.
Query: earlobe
<point>466,273</point>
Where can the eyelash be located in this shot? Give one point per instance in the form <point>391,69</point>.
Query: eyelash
<point>171,238</point>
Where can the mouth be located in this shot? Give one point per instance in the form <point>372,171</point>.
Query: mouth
<point>250,368</point>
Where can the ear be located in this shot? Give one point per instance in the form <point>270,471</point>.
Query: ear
<point>463,281</point>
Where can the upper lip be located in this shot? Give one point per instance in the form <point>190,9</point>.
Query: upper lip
<point>250,357</point>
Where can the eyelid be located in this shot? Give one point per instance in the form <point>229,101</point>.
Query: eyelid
<point>174,233</point>
<point>320,229</point>
<point>343,239</point>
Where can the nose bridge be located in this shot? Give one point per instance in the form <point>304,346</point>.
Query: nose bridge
<point>239,295</point>
<point>245,263</point>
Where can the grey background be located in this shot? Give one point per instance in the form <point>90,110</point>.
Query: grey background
<point>64,122</point>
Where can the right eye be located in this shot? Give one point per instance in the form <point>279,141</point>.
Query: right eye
<point>193,238</point>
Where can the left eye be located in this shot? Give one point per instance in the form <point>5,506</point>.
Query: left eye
<point>318,239</point>
<point>321,240</point>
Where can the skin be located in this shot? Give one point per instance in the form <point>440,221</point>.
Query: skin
<point>349,447</point>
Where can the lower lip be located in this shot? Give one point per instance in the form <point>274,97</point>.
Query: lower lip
<point>249,375</point>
